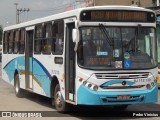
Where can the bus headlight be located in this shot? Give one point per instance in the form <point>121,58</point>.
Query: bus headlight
<point>89,85</point>
<point>84,82</point>
<point>152,83</point>
<point>148,86</point>
<point>95,88</point>
<point>155,81</point>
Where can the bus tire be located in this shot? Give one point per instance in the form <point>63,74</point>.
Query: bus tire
<point>18,91</point>
<point>60,104</point>
<point>120,107</point>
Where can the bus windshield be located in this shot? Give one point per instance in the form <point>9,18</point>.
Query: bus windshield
<point>117,48</point>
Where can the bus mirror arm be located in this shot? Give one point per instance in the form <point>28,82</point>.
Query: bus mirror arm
<point>76,47</point>
<point>75,38</point>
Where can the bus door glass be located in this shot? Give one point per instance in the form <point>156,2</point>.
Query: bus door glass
<point>29,59</point>
<point>70,63</point>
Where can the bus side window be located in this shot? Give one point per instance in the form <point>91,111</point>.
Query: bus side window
<point>16,42</point>
<point>38,39</point>
<point>58,35</point>
<point>5,42</point>
<point>22,41</point>
<point>11,37</point>
<point>37,46</point>
<point>47,41</point>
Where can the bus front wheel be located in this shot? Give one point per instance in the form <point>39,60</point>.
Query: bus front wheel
<point>60,104</point>
<point>18,90</point>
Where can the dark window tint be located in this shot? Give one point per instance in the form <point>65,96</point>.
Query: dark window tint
<point>5,42</point>
<point>48,39</point>
<point>22,41</point>
<point>16,42</point>
<point>37,46</point>
<point>38,39</point>
<point>11,38</point>
<point>47,43</point>
<point>58,37</point>
<point>38,32</point>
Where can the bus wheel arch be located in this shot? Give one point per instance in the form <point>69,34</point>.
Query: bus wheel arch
<point>63,107</point>
<point>15,73</point>
<point>54,82</point>
<point>18,91</point>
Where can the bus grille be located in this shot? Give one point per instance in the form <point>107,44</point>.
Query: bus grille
<point>121,75</point>
<point>132,99</point>
<point>122,87</point>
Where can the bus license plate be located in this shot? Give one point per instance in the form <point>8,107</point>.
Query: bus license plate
<point>123,97</point>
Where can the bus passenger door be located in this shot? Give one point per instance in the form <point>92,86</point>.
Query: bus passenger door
<point>69,62</point>
<point>28,58</point>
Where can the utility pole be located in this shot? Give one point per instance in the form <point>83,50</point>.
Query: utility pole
<point>22,11</point>
<point>17,14</point>
<point>19,11</point>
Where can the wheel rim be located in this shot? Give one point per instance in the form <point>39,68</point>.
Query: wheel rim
<point>17,86</point>
<point>58,99</point>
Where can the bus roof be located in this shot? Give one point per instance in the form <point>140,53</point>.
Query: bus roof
<point>71,13</point>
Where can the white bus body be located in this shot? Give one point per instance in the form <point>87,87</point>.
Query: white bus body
<point>47,62</point>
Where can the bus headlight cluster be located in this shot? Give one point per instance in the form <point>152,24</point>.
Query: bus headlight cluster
<point>90,86</point>
<point>150,85</point>
<point>154,83</point>
<point>95,88</point>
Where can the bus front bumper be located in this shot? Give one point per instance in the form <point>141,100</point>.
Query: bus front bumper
<point>85,96</point>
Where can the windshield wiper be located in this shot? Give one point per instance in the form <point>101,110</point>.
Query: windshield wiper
<point>138,32</point>
<point>105,32</point>
<point>133,43</point>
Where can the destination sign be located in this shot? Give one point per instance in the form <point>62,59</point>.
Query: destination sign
<point>98,61</point>
<point>116,16</point>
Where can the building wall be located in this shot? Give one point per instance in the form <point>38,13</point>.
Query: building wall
<point>143,3</point>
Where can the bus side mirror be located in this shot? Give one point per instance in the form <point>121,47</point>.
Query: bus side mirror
<point>75,38</point>
<point>75,35</point>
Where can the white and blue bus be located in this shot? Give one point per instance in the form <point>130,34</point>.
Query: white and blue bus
<point>89,56</point>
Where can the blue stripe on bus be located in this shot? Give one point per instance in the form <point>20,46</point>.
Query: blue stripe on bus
<point>8,63</point>
<point>45,70</point>
<point>43,75</point>
<point>130,83</point>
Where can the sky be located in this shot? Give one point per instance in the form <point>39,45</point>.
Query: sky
<point>38,8</point>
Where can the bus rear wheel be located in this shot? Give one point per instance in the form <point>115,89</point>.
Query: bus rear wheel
<point>59,103</point>
<point>18,91</point>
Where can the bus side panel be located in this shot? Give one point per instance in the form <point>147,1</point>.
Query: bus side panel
<point>13,64</point>
<point>44,69</point>
<point>21,71</point>
<point>41,77</point>
<point>7,64</point>
<point>4,62</point>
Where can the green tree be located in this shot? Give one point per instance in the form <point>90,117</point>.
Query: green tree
<point>1,31</point>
